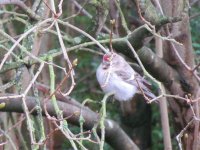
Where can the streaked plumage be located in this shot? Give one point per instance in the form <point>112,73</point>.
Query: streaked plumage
<point>115,75</point>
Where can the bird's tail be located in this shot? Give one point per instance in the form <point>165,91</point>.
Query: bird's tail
<point>145,90</point>
<point>149,94</point>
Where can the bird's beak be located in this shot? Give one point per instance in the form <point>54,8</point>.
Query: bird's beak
<point>109,59</point>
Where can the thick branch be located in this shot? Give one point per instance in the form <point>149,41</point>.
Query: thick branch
<point>136,38</point>
<point>148,12</point>
<point>115,136</point>
<point>154,65</point>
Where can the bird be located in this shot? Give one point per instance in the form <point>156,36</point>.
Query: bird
<point>114,74</point>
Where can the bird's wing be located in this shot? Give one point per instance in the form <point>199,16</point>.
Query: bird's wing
<point>142,80</point>
<point>136,80</point>
<point>131,79</point>
<point>126,76</point>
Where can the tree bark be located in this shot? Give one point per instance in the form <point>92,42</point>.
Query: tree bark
<point>115,136</point>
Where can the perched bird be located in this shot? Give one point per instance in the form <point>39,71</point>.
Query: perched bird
<point>114,74</point>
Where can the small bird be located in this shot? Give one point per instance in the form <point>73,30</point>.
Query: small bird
<point>114,74</point>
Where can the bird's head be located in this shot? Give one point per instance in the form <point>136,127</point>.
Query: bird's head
<point>111,58</point>
<point>107,59</point>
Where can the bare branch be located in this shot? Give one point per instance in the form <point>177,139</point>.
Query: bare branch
<point>114,135</point>
<point>22,6</point>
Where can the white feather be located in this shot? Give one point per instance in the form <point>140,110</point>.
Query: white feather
<point>123,90</point>
<point>117,76</point>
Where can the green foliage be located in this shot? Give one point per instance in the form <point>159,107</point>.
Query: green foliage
<point>157,136</point>
<point>195,26</point>
<point>86,83</point>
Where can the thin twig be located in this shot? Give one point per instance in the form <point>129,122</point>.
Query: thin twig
<point>9,139</point>
<point>163,101</point>
<point>64,50</point>
<point>179,136</point>
<point>21,38</point>
<point>124,24</point>
<point>84,33</point>
<point>112,23</point>
<point>34,79</point>
<point>23,6</point>
<point>196,67</point>
<point>102,120</point>
<point>57,109</point>
<point>85,12</point>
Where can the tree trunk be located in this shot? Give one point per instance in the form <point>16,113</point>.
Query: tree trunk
<point>182,112</point>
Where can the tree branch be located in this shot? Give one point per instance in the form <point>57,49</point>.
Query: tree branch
<point>114,135</point>
<point>21,4</point>
<point>152,63</point>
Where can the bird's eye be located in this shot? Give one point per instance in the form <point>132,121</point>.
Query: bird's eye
<point>106,58</point>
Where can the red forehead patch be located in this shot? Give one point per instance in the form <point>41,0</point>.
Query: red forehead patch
<point>106,57</point>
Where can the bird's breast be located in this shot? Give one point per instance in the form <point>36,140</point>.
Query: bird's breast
<point>123,90</point>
